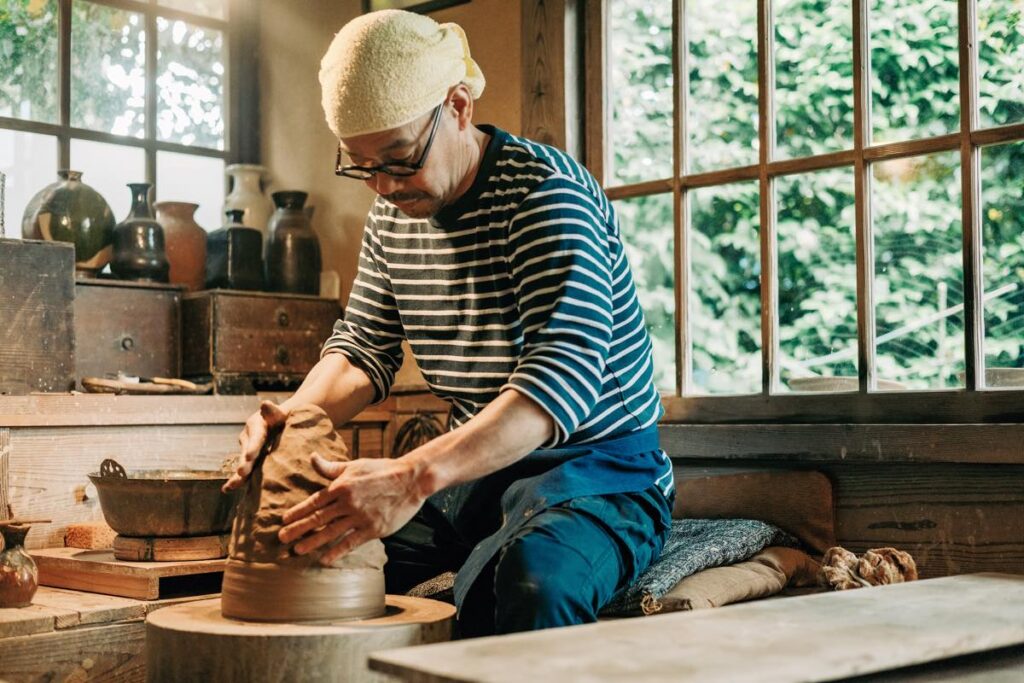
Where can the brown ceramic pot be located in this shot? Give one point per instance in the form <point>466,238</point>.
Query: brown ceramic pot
<point>185,243</point>
<point>19,576</point>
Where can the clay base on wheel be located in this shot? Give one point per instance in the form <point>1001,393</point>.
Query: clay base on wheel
<point>270,592</point>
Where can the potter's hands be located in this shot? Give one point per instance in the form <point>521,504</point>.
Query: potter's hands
<point>368,499</point>
<point>252,438</point>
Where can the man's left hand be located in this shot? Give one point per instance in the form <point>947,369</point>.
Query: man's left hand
<point>368,499</point>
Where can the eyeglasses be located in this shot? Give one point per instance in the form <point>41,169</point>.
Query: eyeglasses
<point>400,169</point>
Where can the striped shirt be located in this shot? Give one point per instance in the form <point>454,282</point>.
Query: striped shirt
<point>521,283</point>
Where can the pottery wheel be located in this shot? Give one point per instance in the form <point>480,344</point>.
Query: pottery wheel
<point>193,642</point>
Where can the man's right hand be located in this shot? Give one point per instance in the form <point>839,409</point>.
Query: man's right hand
<point>252,438</point>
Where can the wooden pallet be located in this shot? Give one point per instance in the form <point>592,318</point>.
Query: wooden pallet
<point>96,571</point>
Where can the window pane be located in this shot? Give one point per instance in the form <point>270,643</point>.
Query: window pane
<point>30,163</point>
<point>199,180</point>
<point>190,84</point>
<point>108,69</point>
<point>646,224</point>
<point>722,110</point>
<point>725,292</point>
<point>914,69</point>
<point>919,319</point>
<point>1002,211</point>
<point>217,9</point>
<point>817,281</point>
<point>108,169</point>
<point>813,76</point>
<point>28,59</point>
<point>1000,62</point>
<point>640,80</point>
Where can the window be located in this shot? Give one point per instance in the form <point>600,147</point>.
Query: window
<point>124,91</point>
<point>842,181</point>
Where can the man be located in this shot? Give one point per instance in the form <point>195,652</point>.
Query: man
<point>500,261</point>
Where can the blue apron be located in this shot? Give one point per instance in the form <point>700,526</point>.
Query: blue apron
<point>543,479</point>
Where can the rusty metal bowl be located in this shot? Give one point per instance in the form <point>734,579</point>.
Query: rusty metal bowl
<point>164,503</point>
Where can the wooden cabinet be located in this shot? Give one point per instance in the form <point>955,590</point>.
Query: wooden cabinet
<point>247,341</point>
<point>37,336</point>
<point>128,327</point>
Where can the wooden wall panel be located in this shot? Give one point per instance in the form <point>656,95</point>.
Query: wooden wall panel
<point>953,518</point>
<point>105,653</point>
<point>48,467</point>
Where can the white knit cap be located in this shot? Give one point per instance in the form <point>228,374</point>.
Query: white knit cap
<point>387,68</point>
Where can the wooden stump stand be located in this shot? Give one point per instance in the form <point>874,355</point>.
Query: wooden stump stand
<point>194,642</point>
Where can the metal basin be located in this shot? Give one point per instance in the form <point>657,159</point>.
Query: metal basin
<point>165,503</point>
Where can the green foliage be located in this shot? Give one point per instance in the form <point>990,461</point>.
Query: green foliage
<point>916,203</point>
<point>108,71</point>
<point>28,59</point>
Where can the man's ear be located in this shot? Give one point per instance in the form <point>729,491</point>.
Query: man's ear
<point>462,104</point>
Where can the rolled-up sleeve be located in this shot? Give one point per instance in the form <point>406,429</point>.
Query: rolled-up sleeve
<point>561,269</point>
<point>370,334</point>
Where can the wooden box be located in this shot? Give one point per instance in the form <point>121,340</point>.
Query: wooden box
<point>37,335</point>
<point>129,327</point>
<point>246,341</point>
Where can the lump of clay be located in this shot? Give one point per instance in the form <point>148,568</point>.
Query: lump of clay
<point>263,579</point>
<point>842,570</point>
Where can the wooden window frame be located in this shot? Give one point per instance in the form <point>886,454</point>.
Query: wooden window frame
<point>972,404</point>
<point>241,97</point>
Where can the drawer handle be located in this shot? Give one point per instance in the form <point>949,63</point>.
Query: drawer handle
<point>127,343</point>
<point>282,319</point>
<point>281,354</point>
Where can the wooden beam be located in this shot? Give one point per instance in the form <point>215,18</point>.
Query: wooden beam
<point>552,69</point>
<point>849,443</point>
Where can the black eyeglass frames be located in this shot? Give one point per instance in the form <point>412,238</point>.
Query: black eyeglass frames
<point>400,169</point>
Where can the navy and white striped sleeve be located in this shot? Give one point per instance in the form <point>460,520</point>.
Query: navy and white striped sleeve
<point>561,269</point>
<point>370,334</point>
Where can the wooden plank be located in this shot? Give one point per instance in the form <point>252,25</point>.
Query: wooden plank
<point>138,587</point>
<point>771,641</point>
<point>36,618</point>
<point>85,609</point>
<point>97,571</point>
<point>865,443</point>
<point>99,653</point>
<point>80,410</point>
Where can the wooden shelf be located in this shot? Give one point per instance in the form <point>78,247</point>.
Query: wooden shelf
<point>90,410</point>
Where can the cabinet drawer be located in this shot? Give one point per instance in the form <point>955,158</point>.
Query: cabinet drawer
<point>253,333</point>
<point>128,327</point>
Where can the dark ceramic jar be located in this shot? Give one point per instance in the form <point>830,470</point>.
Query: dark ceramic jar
<point>71,211</point>
<point>293,254</point>
<point>19,576</point>
<point>234,255</point>
<point>139,252</point>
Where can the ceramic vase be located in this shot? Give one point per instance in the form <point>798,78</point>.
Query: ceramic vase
<point>293,254</point>
<point>234,256</point>
<point>139,251</point>
<point>71,211</point>
<point>247,194</point>
<point>19,576</point>
<point>185,242</point>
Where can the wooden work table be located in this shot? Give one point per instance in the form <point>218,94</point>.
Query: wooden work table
<point>73,636</point>
<point>812,638</point>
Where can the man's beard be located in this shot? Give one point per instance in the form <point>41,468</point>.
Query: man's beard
<point>423,206</point>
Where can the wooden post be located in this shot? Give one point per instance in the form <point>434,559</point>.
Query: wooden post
<point>552,74</point>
